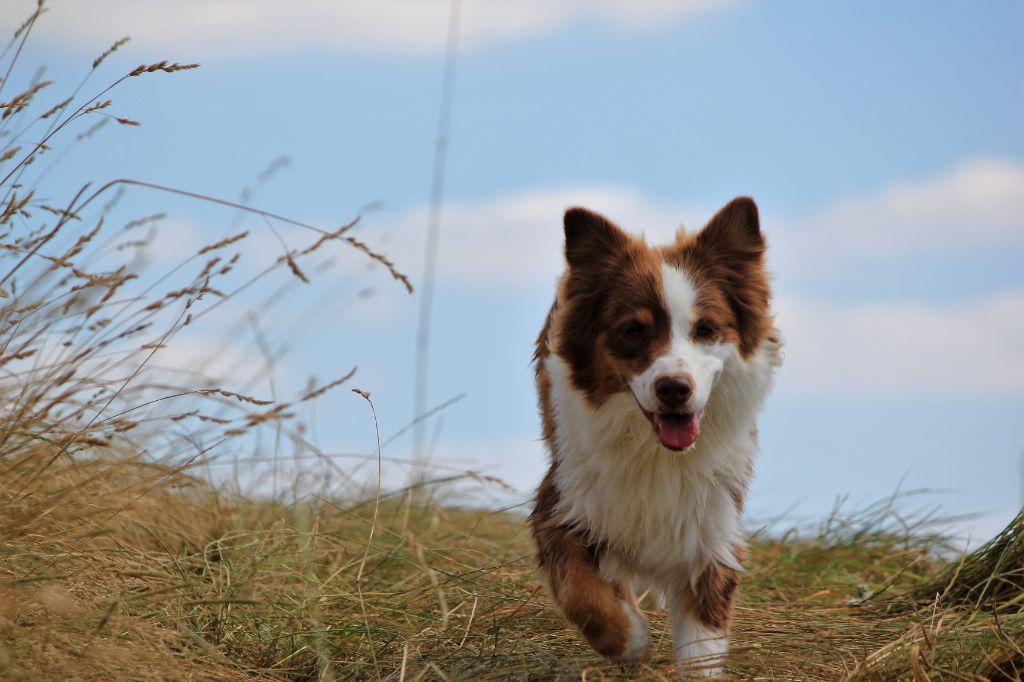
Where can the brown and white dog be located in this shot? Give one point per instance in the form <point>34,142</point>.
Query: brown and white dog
<point>651,369</point>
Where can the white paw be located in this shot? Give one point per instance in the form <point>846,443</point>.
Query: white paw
<point>638,638</point>
<point>703,658</point>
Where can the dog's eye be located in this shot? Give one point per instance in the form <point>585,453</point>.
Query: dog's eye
<point>633,330</point>
<point>704,330</point>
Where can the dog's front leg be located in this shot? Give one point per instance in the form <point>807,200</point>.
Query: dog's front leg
<point>606,614</point>
<point>700,621</point>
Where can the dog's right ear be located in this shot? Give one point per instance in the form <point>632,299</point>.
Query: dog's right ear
<point>591,239</point>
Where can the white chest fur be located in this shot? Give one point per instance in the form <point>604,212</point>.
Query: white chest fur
<point>661,514</point>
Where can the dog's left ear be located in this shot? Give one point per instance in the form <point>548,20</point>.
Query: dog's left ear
<point>735,231</point>
<point>731,247</point>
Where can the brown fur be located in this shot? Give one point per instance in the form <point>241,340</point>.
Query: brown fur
<point>569,567</point>
<point>542,380</point>
<point>611,289</point>
<point>711,599</point>
<point>726,261</point>
<point>566,562</point>
<point>613,281</point>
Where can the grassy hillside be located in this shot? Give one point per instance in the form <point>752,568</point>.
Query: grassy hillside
<point>119,560</point>
<point>114,569</point>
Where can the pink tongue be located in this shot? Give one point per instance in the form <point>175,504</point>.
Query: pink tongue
<point>677,432</point>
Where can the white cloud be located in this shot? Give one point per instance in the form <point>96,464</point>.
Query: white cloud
<point>516,241</point>
<point>519,463</point>
<point>903,349</point>
<point>201,27</point>
<point>977,205</point>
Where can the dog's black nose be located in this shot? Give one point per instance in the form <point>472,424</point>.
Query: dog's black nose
<point>673,392</point>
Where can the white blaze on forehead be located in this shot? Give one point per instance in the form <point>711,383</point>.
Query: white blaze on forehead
<point>680,298</point>
<point>702,363</point>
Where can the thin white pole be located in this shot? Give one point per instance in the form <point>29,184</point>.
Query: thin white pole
<point>433,230</point>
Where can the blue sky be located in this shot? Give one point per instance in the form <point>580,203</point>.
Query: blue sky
<point>883,141</point>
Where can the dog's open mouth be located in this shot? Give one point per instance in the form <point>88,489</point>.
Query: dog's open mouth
<point>676,430</point>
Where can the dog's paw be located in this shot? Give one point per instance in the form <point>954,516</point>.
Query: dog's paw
<point>702,658</point>
<point>638,636</point>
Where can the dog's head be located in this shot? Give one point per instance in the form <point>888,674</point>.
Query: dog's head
<point>662,323</point>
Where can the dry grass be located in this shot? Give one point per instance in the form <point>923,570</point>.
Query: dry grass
<point>120,560</point>
<point>118,578</point>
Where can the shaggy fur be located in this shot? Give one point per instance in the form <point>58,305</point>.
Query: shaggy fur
<point>651,368</point>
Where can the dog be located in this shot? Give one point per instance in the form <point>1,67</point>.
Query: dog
<point>651,368</point>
